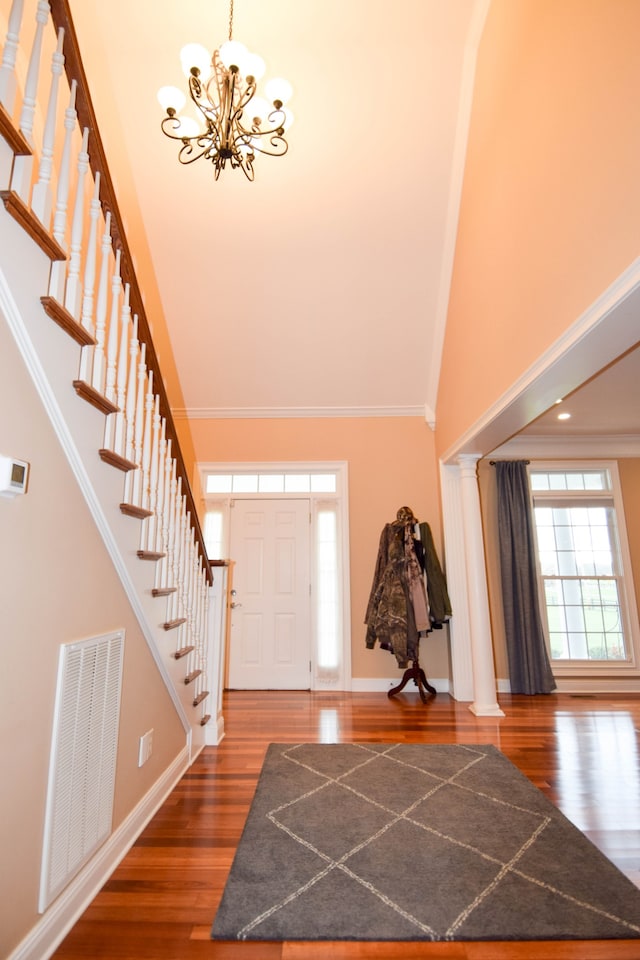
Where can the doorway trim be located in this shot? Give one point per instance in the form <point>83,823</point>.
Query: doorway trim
<point>342,680</point>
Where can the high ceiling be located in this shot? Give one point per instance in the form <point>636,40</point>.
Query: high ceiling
<point>324,283</point>
<point>322,287</point>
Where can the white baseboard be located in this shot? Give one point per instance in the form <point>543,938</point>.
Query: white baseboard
<point>603,685</point>
<point>54,925</point>
<point>380,685</point>
<point>215,732</point>
<point>586,685</point>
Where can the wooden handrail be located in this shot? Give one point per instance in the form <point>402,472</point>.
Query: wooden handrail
<point>61,16</point>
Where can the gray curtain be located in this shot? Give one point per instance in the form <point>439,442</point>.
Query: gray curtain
<point>529,667</point>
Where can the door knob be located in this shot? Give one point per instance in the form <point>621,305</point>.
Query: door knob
<point>234,604</point>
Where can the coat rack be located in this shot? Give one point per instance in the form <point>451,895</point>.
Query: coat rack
<point>417,674</point>
<point>407,578</point>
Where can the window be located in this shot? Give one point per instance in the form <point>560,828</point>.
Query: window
<point>582,561</point>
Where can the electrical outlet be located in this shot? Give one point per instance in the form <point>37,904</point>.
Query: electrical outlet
<point>145,748</point>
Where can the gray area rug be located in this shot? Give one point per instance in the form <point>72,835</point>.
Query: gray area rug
<point>414,842</point>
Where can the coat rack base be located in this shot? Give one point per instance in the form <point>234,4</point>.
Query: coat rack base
<point>417,674</point>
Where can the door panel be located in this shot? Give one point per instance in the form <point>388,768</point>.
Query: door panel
<point>270,622</point>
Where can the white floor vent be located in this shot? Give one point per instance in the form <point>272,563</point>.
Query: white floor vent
<point>83,759</point>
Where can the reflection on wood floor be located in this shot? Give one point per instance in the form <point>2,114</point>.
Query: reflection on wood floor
<point>581,752</point>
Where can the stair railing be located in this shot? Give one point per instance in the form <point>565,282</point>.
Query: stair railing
<point>61,192</point>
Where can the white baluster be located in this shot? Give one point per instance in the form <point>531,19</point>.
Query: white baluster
<point>62,196</point>
<point>58,267</point>
<point>138,429</point>
<point>153,475</point>
<point>130,405</point>
<point>97,375</point>
<point>23,166</point>
<point>42,198</point>
<point>112,338</point>
<point>118,437</point>
<point>157,544</point>
<point>73,293</point>
<point>168,502</point>
<point>8,83</point>
<point>90,279</point>
<point>175,552</point>
<point>146,449</point>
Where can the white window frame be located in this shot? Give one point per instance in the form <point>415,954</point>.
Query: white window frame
<point>316,502</point>
<point>628,606</point>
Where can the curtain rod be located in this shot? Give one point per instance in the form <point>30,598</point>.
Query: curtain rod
<point>492,463</point>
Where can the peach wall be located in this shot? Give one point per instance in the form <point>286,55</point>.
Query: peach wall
<point>391,463</point>
<point>551,196</point>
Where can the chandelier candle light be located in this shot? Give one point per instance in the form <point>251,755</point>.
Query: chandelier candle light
<point>233,123</point>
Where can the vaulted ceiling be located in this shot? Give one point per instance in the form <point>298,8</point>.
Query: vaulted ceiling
<point>323,284</point>
<point>321,287</point>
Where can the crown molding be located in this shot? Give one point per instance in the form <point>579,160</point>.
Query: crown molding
<point>280,413</point>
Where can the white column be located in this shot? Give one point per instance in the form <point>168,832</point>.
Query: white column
<point>485,703</point>
<point>461,683</point>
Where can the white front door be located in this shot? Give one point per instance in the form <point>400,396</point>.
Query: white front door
<point>270,609</point>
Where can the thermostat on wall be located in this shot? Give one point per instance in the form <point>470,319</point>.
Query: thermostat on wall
<point>13,476</point>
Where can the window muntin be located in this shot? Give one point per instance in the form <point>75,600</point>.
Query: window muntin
<point>321,482</point>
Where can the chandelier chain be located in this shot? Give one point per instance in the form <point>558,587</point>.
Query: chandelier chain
<point>230,19</point>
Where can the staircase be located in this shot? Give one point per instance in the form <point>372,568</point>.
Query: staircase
<point>69,292</point>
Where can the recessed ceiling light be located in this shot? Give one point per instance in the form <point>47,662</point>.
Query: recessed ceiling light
<point>564,416</point>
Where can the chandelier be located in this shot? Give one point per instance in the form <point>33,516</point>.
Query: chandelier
<point>231,123</point>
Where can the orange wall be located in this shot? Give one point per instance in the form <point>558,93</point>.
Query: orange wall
<point>551,196</point>
<point>391,463</point>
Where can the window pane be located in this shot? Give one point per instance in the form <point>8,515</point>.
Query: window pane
<point>539,481</point>
<point>212,533</point>
<point>270,483</point>
<point>296,483</point>
<point>327,587</point>
<point>245,483</point>
<point>323,483</point>
<point>557,481</point>
<point>219,483</point>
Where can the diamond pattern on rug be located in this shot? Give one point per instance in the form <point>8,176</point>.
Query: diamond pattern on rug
<point>414,842</point>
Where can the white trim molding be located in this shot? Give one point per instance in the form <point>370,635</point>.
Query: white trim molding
<point>284,413</point>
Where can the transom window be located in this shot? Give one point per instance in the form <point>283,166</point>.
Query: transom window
<point>581,564</point>
<point>271,483</point>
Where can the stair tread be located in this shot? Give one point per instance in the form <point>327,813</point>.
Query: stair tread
<point>59,313</point>
<point>172,624</point>
<point>163,591</point>
<point>130,510</point>
<point>92,396</point>
<point>182,652</point>
<point>117,461</point>
<point>23,215</point>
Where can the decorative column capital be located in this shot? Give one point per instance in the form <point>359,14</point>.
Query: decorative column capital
<point>468,463</point>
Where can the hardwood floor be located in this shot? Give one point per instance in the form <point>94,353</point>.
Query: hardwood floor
<point>582,752</point>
